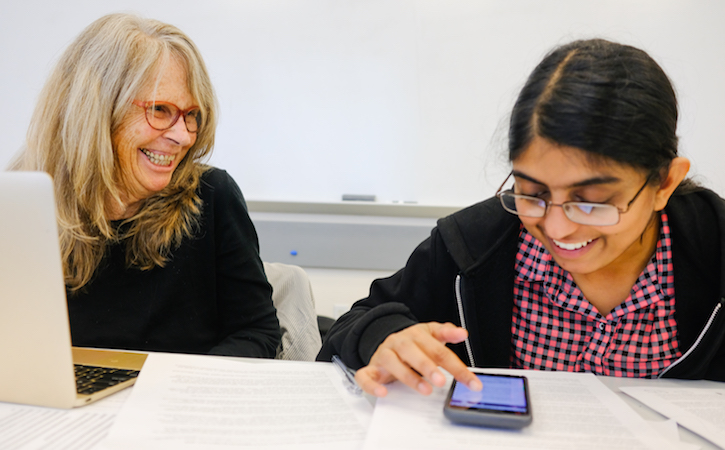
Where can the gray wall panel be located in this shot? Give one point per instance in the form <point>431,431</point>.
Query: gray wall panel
<point>339,241</point>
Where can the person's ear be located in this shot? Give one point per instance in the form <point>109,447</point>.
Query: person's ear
<point>675,174</point>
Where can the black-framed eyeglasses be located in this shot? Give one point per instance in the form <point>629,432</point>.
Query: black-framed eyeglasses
<point>163,115</point>
<point>585,213</point>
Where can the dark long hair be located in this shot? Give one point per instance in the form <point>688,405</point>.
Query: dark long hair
<point>610,100</point>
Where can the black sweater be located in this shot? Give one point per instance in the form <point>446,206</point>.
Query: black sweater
<point>211,297</point>
<point>473,252</point>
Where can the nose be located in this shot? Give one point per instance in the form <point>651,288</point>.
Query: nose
<point>179,134</point>
<point>557,225</point>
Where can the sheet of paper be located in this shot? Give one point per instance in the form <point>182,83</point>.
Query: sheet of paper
<point>570,411</point>
<point>702,411</point>
<point>668,429</point>
<point>34,428</point>
<point>186,402</point>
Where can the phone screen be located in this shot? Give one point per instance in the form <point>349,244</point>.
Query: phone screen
<point>500,393</point>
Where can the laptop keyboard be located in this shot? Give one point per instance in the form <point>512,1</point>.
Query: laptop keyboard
<point>90,379</point>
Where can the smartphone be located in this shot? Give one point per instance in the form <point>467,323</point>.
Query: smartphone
<point>503,402</point>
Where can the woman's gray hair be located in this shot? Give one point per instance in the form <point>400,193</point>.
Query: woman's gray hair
<point>83,103</point>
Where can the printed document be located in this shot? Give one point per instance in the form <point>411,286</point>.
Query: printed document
<point>702,411</point>
<point>570,411</point>
<point>25,427</point>
<point>186,402</point>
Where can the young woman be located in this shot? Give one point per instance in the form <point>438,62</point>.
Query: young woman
<point>597,257</point>
<point>158,250</point>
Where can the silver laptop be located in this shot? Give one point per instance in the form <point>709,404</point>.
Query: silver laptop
<point>37,363</point>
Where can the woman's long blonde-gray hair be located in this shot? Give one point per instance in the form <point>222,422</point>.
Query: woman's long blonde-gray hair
<point>82,105</point>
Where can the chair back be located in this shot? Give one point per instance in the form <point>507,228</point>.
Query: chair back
<point>295,303</point>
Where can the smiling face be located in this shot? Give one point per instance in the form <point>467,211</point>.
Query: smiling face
<point>559,174</point>
<point>147,157</point>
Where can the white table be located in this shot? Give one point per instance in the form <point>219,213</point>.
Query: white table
<point>647,413</point>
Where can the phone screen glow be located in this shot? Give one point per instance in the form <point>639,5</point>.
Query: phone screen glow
<point>499,393</point>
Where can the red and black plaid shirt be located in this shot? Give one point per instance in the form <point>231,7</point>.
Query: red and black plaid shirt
<point>555,328</point>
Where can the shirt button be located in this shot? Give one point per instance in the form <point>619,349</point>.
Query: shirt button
<point>601,326</point>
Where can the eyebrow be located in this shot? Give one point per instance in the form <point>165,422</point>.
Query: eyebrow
<point>588,182</point>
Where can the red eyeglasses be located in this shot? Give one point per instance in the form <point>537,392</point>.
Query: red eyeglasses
<point>163,115</point>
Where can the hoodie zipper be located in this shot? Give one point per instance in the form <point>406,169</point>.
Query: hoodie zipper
<point>704,331</point>
<point>459,301</point>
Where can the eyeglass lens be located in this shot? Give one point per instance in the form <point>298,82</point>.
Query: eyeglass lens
<point>583,213</point>
<point>162,116</point>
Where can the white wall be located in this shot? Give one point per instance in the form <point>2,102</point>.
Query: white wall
<point>398,98</point>
<point>335,290</point>
<point>405,99</point>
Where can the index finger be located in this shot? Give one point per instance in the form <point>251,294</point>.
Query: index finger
<point>449,361</point>
<point>463,375</point>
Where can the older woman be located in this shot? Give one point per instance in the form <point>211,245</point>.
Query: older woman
<point>158,250</point>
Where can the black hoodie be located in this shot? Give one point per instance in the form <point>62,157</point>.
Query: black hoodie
<point>464,274</point>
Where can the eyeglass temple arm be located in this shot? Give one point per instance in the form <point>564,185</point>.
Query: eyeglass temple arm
<point>498,191</point>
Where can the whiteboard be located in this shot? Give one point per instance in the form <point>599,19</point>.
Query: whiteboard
<point>406,100</point>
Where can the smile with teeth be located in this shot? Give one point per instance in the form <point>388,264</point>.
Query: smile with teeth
<point>572,246</point>
<point>159,160</point>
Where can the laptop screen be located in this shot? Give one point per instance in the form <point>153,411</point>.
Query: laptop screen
<point>35,345</point>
